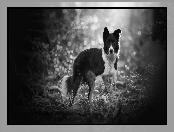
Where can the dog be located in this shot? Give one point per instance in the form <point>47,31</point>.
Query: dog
<point>93,62</point>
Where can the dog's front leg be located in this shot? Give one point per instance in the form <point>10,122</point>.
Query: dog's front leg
<point>114,76</point>
<point>115,81</point>
<point>105,79</point>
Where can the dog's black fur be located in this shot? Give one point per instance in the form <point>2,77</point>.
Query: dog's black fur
<point>93,62</point>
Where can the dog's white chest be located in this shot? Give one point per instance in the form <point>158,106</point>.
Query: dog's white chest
<point>109,68</point>
<point>109,65</point>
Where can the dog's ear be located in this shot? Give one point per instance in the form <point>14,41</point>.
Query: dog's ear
<point>116,33</point>
<point>105,34</point>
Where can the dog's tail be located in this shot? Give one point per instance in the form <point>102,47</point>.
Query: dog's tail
<point>71,84</point>
<point>66,85</point>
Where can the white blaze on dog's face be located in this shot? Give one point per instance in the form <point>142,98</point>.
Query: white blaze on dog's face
<point>111,43</point>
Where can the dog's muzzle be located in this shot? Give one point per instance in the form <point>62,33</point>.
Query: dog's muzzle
<point>111,51</point>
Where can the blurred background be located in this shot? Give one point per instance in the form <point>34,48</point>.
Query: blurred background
<point>43,44</point>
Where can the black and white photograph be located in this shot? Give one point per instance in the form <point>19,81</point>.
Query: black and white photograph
<point>86,65</point>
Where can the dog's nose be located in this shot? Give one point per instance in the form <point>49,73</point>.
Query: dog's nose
<point>111,51</point>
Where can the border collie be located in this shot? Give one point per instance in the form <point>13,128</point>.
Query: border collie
<point>93,62</point>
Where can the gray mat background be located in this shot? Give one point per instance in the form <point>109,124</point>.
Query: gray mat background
<point>85,128</point>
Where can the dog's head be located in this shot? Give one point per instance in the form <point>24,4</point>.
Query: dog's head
<point>111,42</point>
